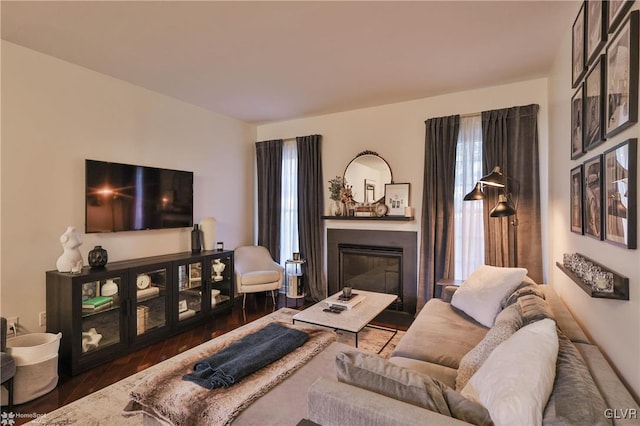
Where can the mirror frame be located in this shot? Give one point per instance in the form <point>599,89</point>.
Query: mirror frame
<point>374,154</point>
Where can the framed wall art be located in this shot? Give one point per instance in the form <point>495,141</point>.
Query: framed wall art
<point>592,197</point>
<point>622,78</point>
<point>577,48</point>
<point>593,106</point>
<point>616,11</point>
<point>596,34</point>
<point>620,170</point>
<point>577,130</point>
<point>396,198</point>
<point>576,200</point>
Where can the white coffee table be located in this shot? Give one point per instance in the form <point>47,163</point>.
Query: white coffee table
<point>351,320</point>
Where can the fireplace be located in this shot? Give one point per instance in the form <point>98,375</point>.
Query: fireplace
<point>374,260</point>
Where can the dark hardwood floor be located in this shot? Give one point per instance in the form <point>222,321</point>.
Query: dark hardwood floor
<point>70,389</point>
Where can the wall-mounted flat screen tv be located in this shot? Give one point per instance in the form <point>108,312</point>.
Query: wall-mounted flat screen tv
<point>124,197</point>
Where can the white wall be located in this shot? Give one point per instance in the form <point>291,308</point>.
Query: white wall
<point>54,116</point>
<point>397,133</point>
<point>612,324</point>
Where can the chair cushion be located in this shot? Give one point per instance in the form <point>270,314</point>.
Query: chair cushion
<point>7,366</point>
<point>259,277</point>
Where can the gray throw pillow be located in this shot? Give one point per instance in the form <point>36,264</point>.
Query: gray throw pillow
<point>534,309</point>
<point>508,321</point>
<point>575,399</point>
<point>524,289</point>
<point>375,374</point>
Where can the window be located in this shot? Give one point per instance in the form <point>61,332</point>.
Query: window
<point>468,215</point>
<point>289,202</point>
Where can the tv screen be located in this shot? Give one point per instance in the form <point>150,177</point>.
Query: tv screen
<point>124,197</point>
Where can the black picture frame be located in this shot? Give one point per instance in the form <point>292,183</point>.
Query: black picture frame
<point>577,47</point>
<point>577,120</point>
<point>594,106</point>
<point>620,194</point>
<point>622,78</point>
<point>616,11</point>
<point>592,197</point>
<point>576,212</point>
<point>596,29</point>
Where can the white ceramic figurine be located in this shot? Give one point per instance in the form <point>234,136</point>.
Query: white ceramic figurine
<point>71,259</point>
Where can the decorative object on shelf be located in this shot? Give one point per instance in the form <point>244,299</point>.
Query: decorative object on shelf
<point>594,106</point>
<point>577,118</point>
<point>396,197</point>
<point>381,209</point>
<point>594,278</point>
<point>182,306</point>
<point>367,174</point>
<point>220,246</point>
<point>208,228</point>
<point>408,211</point>
<point>296,256</point>
<point>346,293</point>
<point>143,281</point>
<point>218,268</point>
<point>109,288</point>
<point>596,28</point>
<point>71,259</point>
<point>622,78</point>
<point>196,239</point>
<point>620,205</point>
<point>592,197</point>
<point>577,47</point>
<point>98,257</point>
<point>576,200</point>
<point>90,339</point>
<point>346,197</point>
<point>335,191</point>
<point>90,290</point>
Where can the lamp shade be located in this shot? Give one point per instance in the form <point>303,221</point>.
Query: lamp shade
<point>495,178</point>
<point>503,208</point>
<point>476,194</point>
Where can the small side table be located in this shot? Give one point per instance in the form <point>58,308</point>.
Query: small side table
<point>294,283</point>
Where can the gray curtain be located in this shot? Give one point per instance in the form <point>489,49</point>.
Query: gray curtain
<point>510,140</point>
<point>269,165</point>
<point>310,208</point>
<point>436,248</point>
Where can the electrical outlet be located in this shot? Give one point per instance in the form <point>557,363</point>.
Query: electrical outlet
<point>42,319</point>
<point>12,322</point>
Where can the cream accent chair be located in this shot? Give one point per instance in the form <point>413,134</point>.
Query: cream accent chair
<point>256,271</point>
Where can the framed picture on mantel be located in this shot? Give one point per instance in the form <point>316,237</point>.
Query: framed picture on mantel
<point>396,198</point>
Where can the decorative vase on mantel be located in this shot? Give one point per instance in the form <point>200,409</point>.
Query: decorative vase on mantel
<point>336,208</point>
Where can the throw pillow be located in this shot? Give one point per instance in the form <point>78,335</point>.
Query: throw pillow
<point>507,322</point>
<point>524,289</point>
<point>480,295</point>
<point>533,309</point>
<point>375,374</point>
<point>514,391</point>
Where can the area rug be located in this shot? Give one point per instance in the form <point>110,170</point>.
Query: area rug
<point>104,407</point>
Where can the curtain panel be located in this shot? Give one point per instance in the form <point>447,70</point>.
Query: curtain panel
<point>310,208</point>
<point>269,171</point>
<point>436,248</point>
<point>510,140</point>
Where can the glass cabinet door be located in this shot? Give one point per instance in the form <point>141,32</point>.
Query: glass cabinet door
<point>190,290</point>
<point>221,273</point>
<point>150,300</point>
<point>101,313</point>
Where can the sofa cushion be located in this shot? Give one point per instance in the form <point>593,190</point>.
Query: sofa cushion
<point>375,374</point>
<point>575,399</point>
<point>259,277</point>
<point>507,322</point>
<point>445,375</point>
<point>533,308</point>
<point>440,334</point>
<point>524,289</point>
<point>516,391</point>
<point>481,294</point>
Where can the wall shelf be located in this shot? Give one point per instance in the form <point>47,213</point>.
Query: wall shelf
<point>620,282</point>
<point>387,218</point>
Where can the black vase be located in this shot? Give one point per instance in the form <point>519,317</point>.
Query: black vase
<point>196,239</point>
<point>98,257</point>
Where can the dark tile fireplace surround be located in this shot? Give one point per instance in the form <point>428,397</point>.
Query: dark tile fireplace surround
<point>377,260</point>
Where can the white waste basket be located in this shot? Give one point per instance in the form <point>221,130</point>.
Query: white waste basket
<point>36,357</point>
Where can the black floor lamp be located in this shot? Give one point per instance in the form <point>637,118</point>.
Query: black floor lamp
<point>505,206</point>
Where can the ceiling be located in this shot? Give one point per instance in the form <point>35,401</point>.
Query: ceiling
<point>267,61</point>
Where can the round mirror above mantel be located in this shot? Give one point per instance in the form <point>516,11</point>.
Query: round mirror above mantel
<point>367,174</point>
